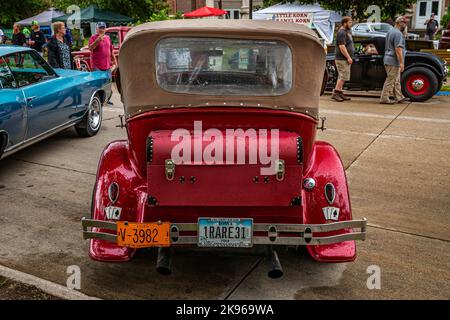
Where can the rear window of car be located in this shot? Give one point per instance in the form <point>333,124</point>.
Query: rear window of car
<point>218,66</point>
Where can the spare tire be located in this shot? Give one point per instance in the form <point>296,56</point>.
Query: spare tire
<point>419,84</point>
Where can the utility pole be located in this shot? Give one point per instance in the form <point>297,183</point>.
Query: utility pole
<point>250,9</point>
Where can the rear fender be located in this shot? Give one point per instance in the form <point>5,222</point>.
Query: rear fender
<point>325,166</point>
<point>115,166</point>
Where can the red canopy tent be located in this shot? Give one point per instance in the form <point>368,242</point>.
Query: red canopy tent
<point>205,12</point>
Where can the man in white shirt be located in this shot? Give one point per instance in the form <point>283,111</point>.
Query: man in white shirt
<point>1,36</point>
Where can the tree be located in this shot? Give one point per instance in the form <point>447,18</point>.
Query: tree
<point>389,9</point>
<point>13,11</point>
<point>140,10</point>
<point>446,18</point>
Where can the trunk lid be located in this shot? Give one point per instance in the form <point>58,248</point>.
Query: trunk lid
<point>199,181</point>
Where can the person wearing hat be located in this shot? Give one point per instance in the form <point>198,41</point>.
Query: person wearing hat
<point>394,63</point>
<point>101,49</point>
<point>37,38</point>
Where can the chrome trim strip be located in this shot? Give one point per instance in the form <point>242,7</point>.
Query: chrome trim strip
<point>42,136</point>
<point>262,227</point>
<point>89,223</point>
<point>186,226</point>
<point>304,238</point>
<point>99,235</point>
<point>187,240</point>
<point>297,241</point>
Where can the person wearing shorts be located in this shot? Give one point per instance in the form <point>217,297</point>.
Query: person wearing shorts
<point>343,58</point>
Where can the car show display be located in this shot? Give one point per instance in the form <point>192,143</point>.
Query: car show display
<point>38,101</point>
<point>219,159</point>
<point>221,118</point>
<point>376,29</point>
<point>422,78</point>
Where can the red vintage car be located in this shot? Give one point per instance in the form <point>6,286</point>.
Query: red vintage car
<point>82,58</point>
<point>221,117</point>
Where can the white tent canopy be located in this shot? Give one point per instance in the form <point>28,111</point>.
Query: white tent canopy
<point>322,20</point>
<point>44,18</point>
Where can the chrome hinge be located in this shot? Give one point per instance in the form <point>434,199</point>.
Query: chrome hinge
<point>280,168</point>
<point>170,169</point>
<point>149,149</point>
<point>299,150</point>
<point>121,125</point>
<point>322,123</point>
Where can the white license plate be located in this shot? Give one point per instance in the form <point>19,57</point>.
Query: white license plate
<point>225,232</point>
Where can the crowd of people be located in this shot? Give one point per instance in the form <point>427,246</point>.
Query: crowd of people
<point>58,46</point>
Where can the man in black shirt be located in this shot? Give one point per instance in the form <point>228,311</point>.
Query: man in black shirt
<point>343,58</point>
<point>432,27</point>
<point>37,38</point>
<point>18,37</point>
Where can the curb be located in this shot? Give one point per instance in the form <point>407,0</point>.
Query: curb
<point>49,287</point>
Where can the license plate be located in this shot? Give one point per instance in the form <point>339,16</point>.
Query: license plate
<point>143,235</point>
<point>225,232</point>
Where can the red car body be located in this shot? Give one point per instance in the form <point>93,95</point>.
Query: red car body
<point>82,58</point>
<point>287,208</point>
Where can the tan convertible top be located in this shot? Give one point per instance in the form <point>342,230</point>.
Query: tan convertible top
<point>140,91</point>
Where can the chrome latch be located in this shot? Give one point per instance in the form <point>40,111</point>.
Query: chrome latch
<point>121,125</point>
<point>170,169</point>
<point>322,123</point>
<point>280,168</point>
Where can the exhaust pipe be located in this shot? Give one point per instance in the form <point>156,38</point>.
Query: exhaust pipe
<point>275,269</point>
<point>164,260</point>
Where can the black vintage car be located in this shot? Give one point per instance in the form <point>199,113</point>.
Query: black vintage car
<point>423,76</point>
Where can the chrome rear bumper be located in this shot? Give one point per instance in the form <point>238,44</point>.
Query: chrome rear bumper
<point>274,232</point>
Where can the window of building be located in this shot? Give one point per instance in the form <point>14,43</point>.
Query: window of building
<point>435,7</point>
<point>233,14</point>
<point>422,9</point>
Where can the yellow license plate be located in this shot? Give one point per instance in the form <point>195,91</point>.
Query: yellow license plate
<point>143,235</point>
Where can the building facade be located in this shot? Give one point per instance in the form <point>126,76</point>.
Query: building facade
<point>236,8</point>
<point>422,10</point>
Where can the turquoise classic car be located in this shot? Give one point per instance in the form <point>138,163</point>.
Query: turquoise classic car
<point>37,101</point>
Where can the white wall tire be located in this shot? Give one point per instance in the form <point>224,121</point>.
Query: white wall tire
<point>92,121</point>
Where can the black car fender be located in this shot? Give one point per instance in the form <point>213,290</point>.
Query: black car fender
<point>425,65</point>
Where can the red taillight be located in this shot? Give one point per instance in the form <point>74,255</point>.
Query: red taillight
<point>330,193</point>
<point>113,192</point>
